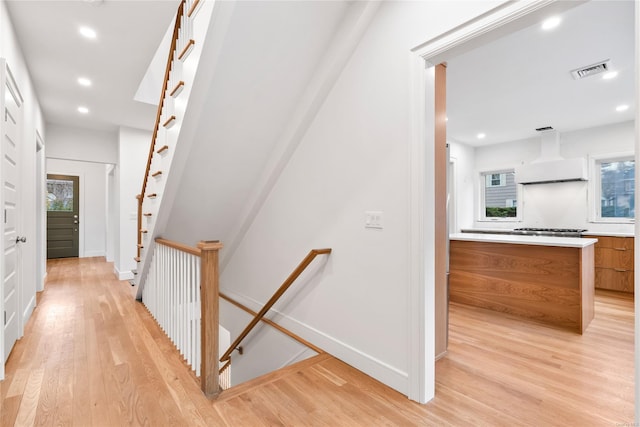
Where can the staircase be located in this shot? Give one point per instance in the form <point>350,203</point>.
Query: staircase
<point>190,27</point>
<point>179,283</point>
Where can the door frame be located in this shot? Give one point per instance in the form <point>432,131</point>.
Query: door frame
<point>41,214</point>
<point>495,23</point>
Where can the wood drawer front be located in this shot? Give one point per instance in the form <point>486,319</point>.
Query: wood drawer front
<point>613,242</point>
<point>620,258</point>
<point>608,278</point>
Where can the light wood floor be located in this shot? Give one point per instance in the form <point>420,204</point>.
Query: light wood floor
<point>91,355</point>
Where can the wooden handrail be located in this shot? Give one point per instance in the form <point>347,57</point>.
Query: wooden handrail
<point>187,48</point>
<point>225,366</point>
<point>177,88</point>
<point>179,246</point>
<point>165,84</point>
<point>281,290</point>
<point>193,8</point>
<point>209,306</point>
<point>272,324</point>
<point>167,73</point>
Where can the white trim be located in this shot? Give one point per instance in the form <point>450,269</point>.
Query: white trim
<point>481,196</point>
<point>421,351</point>
<point>637,226</point>
<point>91,254</point>
<point>593,193</point>
<point>26,314</point>
<point>378,369</point>
<point>123,275</point>
<point>421,220</point>
<point>41,212</point>
<point>494,21</point>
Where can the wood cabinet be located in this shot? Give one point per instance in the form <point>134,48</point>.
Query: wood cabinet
<point>549,284</point>
<point>614,263</point>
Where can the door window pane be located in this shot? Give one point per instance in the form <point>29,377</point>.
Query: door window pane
<point>59,195</point>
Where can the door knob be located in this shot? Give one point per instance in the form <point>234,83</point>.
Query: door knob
<point>21,239</point>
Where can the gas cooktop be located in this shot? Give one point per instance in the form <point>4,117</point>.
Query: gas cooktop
<point>560,232</point>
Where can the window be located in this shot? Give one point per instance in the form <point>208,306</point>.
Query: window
<point>59,195</point>
<point>614,196</point>
<point>499,196</point>
<point>496,179</point>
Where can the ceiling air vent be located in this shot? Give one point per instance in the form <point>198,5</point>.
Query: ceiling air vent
<point>590,70</point>
<point>542,129</point>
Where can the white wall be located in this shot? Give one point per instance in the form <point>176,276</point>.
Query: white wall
<point>71,143</point>
<point>93,219</point>
<point>264,350</point>
<point>112,233</point>
<point>463,157</point>
<point>41,215</point>
<point>353,157</point>
<point>32,121</point>
<point>557,205</point>
<point>133,150</point>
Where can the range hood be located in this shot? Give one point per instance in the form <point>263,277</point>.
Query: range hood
<point>550,166</point>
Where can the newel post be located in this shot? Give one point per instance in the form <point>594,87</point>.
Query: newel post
<point>209,289</point>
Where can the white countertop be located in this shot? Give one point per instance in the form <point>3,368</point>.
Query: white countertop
<point>570,242</point>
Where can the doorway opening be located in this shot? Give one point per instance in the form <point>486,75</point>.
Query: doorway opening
<point>63,216</point>
<point>503,20</point>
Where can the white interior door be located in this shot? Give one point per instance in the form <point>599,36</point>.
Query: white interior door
<point>10,132</point>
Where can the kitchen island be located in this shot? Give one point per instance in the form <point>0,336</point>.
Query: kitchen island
<point>547,279</point>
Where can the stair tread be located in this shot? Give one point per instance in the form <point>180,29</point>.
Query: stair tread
<point>271,376</point>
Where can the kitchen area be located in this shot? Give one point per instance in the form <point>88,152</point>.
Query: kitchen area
<point>538,243</point>
<point>541,206</point>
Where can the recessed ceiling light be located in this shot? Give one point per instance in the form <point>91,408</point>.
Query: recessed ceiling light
<point>610,75</point>
<point>621,108</point>
<point>87,32</point>
<point>550,23</point>
<point>481,136</point>
<point>83,110</point>
<point>83,81</point>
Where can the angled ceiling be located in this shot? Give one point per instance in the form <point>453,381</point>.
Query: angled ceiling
<point>128,34</point>
<point>511,86</point>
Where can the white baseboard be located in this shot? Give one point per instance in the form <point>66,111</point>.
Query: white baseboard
<point>40,286</point>
<point>123,275</point>
<point>29,310</point>
<point>383,372</point>
<point>91,254</point>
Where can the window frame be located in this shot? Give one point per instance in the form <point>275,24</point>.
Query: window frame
<point>482,210</point>
<point>595,186</point>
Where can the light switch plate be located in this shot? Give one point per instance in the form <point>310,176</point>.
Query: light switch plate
<point>373,219</point>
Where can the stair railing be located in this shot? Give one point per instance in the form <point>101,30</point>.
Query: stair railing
<point>182,295</point>
<point>163,94</point>
<point>226,357</point>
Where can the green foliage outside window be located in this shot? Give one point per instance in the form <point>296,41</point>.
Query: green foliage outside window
<point>495,212</point>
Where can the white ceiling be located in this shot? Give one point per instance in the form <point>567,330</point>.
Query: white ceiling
<point>504,89</point>
<point>129,33</point>
<point>513,85</point>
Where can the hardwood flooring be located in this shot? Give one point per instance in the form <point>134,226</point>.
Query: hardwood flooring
<point>92,356</point>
